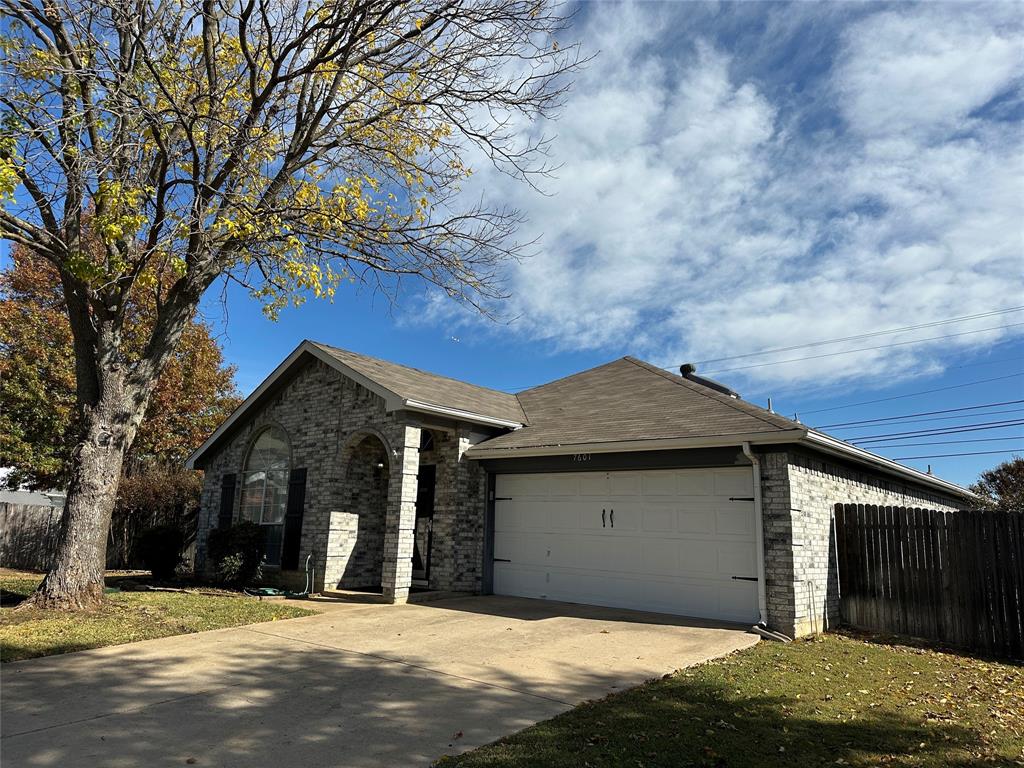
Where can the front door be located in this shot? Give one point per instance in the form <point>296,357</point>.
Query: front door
<point>427,479</point>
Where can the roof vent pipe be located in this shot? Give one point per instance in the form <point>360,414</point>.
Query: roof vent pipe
<point>689,371</point>
<point>770,409</point>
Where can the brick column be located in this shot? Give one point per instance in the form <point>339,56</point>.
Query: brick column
<point>777,513</point>
<point>396,576</point>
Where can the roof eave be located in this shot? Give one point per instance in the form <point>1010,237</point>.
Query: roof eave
<point>392,400</point>
<point>459,414</point>
<point>809,437</point>
<point>822,442</point>
<point>481,451</point>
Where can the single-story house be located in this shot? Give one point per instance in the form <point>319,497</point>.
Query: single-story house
<point>624,485</point>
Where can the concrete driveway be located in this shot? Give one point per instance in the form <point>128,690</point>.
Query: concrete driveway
<point>357,685</point>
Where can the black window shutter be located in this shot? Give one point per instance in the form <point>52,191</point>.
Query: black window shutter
<point>227,501</point>
<point>293,519</point>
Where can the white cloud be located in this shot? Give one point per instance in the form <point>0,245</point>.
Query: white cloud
<point>924,72</point>
<point>691,219</point>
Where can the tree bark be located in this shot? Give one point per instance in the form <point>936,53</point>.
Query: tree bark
<point>75,579</point>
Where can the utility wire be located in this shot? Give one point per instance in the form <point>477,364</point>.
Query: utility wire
<point>860,336</point>
<point>928,419</point>
<point>946,455</point>
<point>949,442</point>
<point>915,394</point>
<point>922,413</point>
<point>943,431</point>
<point>866,349</point>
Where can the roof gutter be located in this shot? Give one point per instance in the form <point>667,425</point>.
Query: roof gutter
<point>808,437</point>
<point>481,451</point>
<point>455,413</point>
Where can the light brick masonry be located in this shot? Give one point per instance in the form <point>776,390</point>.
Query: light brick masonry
<point>799,492</point>
<point>362,464</point>
<point>358,525</point>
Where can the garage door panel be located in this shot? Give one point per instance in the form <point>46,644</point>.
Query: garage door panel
<point>594,484</point>
<point>623,483</point>
<point>736,559</point>
<point>520,580</point>
<point>733,482</point>
<point>735,520</point>
<point>698,557</point>
<point>676,543</point>
<point>658,484</point>
<point>523,548</point>
<point>659,518</point>
<point>579,551</point>
<point>551,516</point>
<point>661,557</point>
<point>563,485</point>
<point>695,483</point>
<point>695,518</point>
<point>737,601</point>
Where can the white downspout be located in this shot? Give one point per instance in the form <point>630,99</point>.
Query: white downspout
<point>762,590</point>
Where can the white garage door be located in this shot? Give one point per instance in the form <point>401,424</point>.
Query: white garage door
<point>672,541</point>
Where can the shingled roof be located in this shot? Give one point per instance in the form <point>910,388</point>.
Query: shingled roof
<point>629,400</point>
<point>430,388</point>
<point>624,405</point>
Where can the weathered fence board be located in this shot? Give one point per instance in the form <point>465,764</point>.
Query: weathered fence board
<point>28,535</point>
<point>957,577</point>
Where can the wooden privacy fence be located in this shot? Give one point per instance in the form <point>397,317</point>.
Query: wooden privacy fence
<point>28,535</point>
<point>957,577</point>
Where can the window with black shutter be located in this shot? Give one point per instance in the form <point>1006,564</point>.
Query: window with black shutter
<point>293,519</point>
<point>227,501</point>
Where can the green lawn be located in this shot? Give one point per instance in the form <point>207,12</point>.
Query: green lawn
<point>128,616</point>
<point>838,701</point>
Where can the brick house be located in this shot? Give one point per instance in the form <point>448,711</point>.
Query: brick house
<point>622,485</point>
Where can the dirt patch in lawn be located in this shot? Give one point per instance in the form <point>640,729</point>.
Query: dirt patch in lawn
<point>836,701</point>
<point>126,617</point>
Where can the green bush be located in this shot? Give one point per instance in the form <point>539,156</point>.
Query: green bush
<point>160,548</point>
<point>236,553</point>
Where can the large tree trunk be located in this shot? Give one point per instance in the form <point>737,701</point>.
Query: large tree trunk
<point>75,580</point>
<point>112,399</point>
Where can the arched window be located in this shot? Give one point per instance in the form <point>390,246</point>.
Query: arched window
<point>265,488</point>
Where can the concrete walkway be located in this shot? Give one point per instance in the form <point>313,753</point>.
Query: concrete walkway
<point>357,685</point>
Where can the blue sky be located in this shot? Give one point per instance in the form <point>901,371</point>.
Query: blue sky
<point>742,177</point>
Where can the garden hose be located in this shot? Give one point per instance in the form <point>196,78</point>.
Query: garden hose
<point>261,592</point>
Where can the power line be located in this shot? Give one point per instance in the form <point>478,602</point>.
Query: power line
<point>861,336</point>
<point>943,431</point>
<point>866,349</point>
<point>915,394</point>
<point>922,413</point>
<point>950,442</point>
<point>946,455</point>
<point>930,419</point>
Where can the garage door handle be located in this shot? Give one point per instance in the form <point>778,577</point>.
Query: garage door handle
<point>744,578</point>
<point>502,560</point>
<point>602,520</point>
<point>612,517</point>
